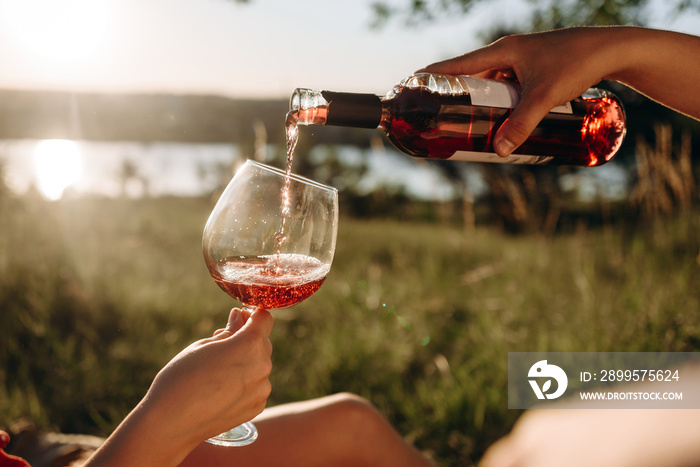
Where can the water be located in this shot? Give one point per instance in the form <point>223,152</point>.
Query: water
<point>196,169</point>
<point>154,169</point>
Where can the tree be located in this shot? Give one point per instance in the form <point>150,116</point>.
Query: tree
<point>546,14</point>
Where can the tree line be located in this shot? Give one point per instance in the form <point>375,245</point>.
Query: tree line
<point>148,117</point>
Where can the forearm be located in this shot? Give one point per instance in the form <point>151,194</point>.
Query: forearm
<point>662,65</point>
<point>146,439</point>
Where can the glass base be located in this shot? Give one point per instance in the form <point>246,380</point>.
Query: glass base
<point>242,435</point>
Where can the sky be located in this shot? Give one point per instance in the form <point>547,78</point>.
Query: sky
<point>264,48</point>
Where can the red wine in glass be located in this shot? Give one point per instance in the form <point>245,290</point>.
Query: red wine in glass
<point>270,282</point>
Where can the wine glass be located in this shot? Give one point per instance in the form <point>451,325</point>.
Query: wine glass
<point>269,243</point>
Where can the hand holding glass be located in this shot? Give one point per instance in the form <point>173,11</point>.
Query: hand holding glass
<point>268,251</point>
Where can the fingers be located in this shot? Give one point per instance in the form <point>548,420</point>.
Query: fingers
<point>468,64</point>
<point>499,61</point>
<point>248,327</point>
<point>491,58</point>
<point>259,323</point>
<point>236,320</point>
<point>517,128</point>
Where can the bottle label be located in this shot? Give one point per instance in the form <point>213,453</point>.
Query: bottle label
<point>502,94</point>
<point>470,156</point>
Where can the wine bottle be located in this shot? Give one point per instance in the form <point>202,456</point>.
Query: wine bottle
<point>456,117</point>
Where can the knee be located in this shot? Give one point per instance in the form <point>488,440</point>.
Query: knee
<point>350,400</point>
<point>354,412</point>
<point>351,404</point>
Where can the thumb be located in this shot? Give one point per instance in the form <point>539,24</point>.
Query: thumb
<point>264,320</point>
<point>520,124</point>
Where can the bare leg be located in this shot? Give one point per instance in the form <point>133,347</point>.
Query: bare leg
<point>339,430</point>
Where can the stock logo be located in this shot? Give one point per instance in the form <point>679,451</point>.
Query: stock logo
<point>542,370</point>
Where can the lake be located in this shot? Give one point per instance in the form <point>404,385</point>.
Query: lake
<point>136,169</point>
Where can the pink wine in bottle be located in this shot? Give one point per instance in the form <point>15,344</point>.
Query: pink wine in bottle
<point>456,118</point>
<point>270,281</point>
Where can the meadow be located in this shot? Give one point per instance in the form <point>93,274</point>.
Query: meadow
<point>96,295</point>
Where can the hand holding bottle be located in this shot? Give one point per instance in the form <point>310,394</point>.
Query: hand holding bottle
<point>556,66</point>
<point>451,117</point>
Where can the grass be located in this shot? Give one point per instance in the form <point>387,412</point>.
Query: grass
<point>96,295</point>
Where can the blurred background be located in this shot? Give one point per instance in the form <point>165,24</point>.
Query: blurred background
<point>120,122</point>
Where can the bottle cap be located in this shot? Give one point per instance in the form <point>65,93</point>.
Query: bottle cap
<point>353,110</point>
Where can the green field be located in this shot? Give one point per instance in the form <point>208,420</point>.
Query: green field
<point>96,295</point>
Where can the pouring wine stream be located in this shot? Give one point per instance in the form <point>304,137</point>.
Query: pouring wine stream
<point>292,138</point>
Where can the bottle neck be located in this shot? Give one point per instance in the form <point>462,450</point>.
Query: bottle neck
<point>353,110</point>
<point>336,108</point>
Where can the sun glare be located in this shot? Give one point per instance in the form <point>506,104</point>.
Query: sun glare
<point>57,30</point>
<point>58,164</point>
